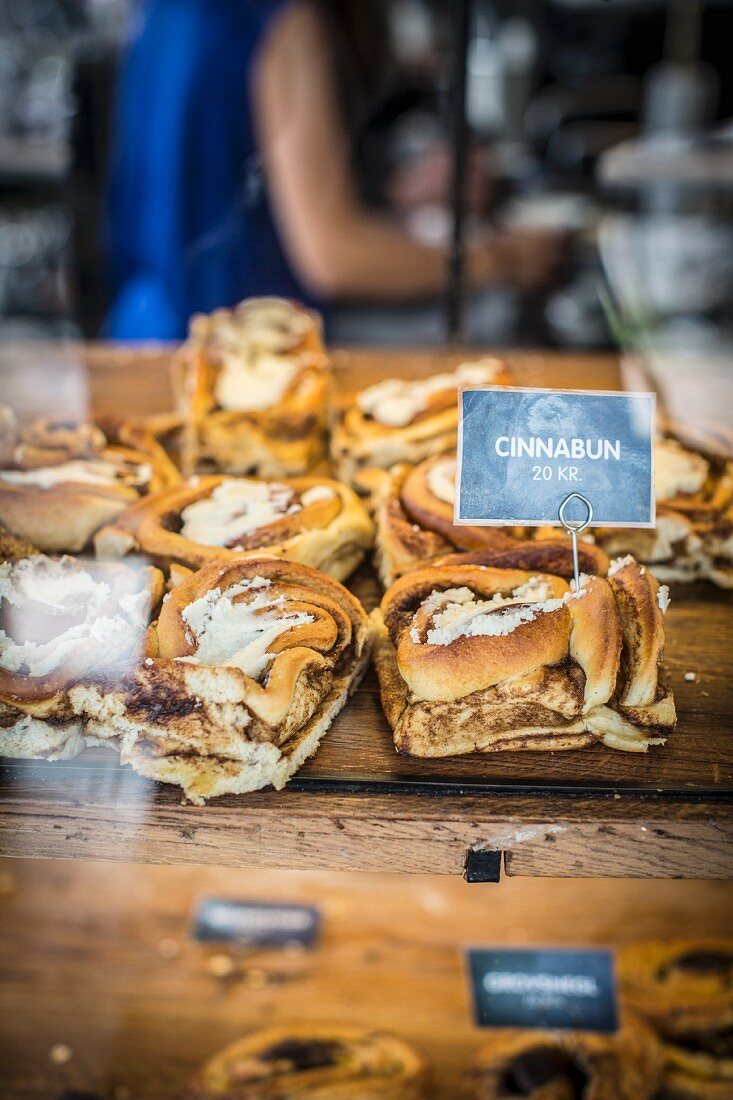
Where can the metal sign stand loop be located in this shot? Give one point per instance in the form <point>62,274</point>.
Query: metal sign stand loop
<point>575,528</point>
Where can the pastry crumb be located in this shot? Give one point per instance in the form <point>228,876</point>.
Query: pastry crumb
<point>690,677</point>
<point>169,948</point>
<point>221,966</point>
<point>60,1054</point>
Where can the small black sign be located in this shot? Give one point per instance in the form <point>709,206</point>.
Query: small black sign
<point>547,989</point>
<point>262,924</point>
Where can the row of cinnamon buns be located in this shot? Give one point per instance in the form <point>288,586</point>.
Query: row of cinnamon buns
<point>253,395</point>
<point>211,640</point>
<point>673,1044</point>
<point>224,678</point>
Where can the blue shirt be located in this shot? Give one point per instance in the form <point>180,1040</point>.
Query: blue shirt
<point>189,224</point>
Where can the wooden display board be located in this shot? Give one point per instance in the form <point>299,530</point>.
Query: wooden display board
<point>357,804</point>
<point>99,964</point>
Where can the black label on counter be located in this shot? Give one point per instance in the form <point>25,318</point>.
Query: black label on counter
<point>262,924</point>
<point>547,989</point>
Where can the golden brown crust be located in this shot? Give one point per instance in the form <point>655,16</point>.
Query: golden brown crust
<point>359,441</point>
<point>684,989</point>
<point>63,516</point>
<point>596,640</point>
<point>240,704</point>
<point>331,533</point>
<point>414,527</point>
<point>637,595</point>
<point>322,1062</point>
<point>563,1065</point>
<point>472,658</point>
<point>37,614</point>
<point>284,438</point>
<point>693,538</point>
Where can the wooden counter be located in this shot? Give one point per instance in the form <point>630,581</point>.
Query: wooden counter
<point>335,817</point>
<point>100,960</point>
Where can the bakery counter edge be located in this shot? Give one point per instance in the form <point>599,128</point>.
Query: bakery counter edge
<point>115,816</point>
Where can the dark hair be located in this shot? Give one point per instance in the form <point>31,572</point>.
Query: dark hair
<point>358,35</point>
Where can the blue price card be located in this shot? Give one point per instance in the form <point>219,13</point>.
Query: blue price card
<point>521,452</point>
<point>258,923</point>
<point>541,988</point>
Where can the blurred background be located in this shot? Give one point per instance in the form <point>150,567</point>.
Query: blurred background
<point>602,121</point>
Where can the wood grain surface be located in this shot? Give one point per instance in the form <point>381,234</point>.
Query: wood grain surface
<point>357,803</point>
<point>99,961</point>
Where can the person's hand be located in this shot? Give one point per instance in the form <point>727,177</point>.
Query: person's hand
<point>528,258</point>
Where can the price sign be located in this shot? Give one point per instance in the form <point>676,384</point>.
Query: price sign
<point>260,924</point>
<point>522,452</point>
<point>572,990</point>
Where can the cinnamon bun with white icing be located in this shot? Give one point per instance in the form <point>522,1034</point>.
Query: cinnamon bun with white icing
<point>693,537</point>
<point>61,482</point>
<point>404,421</point>
<point>247,665</point>
<point>63,623</point>
<point>315,521</point>
<point>413,513</point>
<point>475,658</point>
<point>251,387</point>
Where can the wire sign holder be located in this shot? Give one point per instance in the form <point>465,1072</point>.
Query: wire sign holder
<point>574,528</point>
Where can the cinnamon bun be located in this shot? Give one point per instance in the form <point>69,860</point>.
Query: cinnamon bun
<point>251,387</point>
<point>693,537</point>
<point>684,989</point>
<point>60,482</point>
<point>413,512</point>
<point>316,1061</point>
<point>247,665</point>
<point>550,1065</point>
<point>314,521</point>
<point>62,623</point>
<point>475,658</point>
<point>399,421</point>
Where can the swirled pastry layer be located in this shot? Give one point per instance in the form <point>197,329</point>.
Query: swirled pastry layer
<point>684,989</point>
<point>63,621</point>
<point>246,667</point>
<point>480,658</point>
<point>413,511</point>
<point>404,421</point>
<point>545,1065</point>
<point>693,537</point>
<point>317,1061</point>
<point>251,386</point>
<point>60,482</point>
<point>311,520</point>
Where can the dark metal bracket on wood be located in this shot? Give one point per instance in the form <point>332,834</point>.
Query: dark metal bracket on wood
<point>482,865</point>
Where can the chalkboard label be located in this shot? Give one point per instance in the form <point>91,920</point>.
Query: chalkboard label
<point>522,451</point>
<point>545,989</point>
<point>254,922</point>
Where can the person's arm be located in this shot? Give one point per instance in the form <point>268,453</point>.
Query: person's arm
<point>338,247</point>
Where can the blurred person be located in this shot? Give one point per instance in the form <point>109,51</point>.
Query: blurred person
<point>232,170</point>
